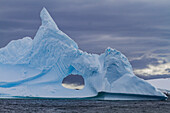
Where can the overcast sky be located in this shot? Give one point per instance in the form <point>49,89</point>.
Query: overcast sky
<point>138,28</point>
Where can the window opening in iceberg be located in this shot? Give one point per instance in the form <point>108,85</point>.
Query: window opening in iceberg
<point>73,82</point>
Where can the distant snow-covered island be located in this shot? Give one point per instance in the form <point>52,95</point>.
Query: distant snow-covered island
<point>163,84</point>
<point>35,68</point>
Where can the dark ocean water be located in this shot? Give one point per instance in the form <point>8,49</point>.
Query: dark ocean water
<point>80,106</point>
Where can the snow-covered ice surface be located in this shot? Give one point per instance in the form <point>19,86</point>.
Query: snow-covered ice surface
<point>36,68</point>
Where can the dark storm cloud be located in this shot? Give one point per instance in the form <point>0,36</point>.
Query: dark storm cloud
<point>131,26</point>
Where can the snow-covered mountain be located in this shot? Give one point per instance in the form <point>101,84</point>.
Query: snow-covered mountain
<point>36,68</point>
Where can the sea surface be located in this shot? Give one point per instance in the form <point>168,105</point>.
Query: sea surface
<point>81,106</point>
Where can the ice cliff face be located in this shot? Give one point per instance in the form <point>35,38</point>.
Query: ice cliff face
<point>36,68</point>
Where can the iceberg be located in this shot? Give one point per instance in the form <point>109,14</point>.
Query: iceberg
<point>35,68</point>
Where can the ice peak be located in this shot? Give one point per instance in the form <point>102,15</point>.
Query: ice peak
<point>47,19</point>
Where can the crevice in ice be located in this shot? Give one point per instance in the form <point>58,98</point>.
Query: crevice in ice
<point>16,83</point>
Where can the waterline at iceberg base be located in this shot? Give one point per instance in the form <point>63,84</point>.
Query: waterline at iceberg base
<point>36,68</point>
